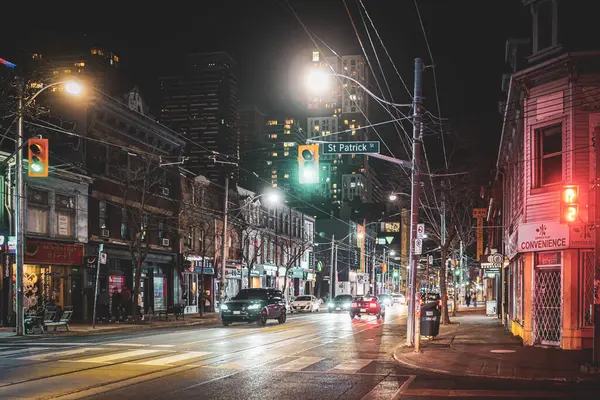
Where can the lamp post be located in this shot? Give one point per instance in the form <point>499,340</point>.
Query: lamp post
<point>73,88</point>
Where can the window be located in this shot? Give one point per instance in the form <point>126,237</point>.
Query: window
<point>38,211</point>
<point>549,160</point>
<point>65,215</point>
<point>102,215</point>
<point>315,56</point>
<point>274,154</point>
<point>272,122</point>
<point>123,224</point>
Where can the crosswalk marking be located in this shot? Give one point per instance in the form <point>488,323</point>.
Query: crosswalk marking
<point>26,350</point>
<point>250,361</point>
<point>117,356</point>
<point>173,359</point>
<point>125,344</point>
<point>350,366</point>
<point>163,345</point>
<point>298,364</point>
<point>55,354</point>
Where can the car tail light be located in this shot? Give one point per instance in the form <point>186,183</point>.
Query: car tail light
<point>372,305</point>
<point>354,305</point>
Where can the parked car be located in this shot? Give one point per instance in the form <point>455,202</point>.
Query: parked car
<point>385,299</point>
<point>368,305</point>
<point>307,303</point>
<point>341,302</point>
<point>399,299</point>
<point>254,305</point>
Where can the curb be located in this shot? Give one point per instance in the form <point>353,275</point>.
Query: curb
<point>520,378</point>
<point>106,331</point>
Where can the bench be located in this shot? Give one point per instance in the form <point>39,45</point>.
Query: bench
<point>177,310</point>
<point>63,321</point>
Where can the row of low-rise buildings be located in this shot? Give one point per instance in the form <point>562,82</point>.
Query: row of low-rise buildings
<point>118,179</point>
<point>548,150</point>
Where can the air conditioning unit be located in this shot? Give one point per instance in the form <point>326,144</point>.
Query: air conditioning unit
<point>105,233</point>
<point>165,191</point>
<point>165,242</point>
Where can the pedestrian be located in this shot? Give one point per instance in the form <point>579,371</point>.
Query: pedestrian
<point>126,302</point>
<point>116,305</point>
<point>475,301</point>
<point>468,299</point>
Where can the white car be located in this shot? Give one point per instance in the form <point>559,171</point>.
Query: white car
<point>399,299</point>
<point>305,304</point>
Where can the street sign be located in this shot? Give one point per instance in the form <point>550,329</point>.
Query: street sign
<point>103,258</point>
<point>479,212</point>
<point>418,246</point>
<point>351,148</point>
<point>430,259</point>
<point>420,231</point>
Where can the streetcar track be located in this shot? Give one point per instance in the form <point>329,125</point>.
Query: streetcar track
<point>166,370</point>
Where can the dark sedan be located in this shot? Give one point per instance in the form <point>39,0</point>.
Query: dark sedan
<point>341,302</point>
<point>368,305</point>
<point>254,305</point>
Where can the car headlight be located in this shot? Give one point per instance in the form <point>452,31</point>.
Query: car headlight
<point>224,307</point>
<point>254,307</point>
<point>329,304</point>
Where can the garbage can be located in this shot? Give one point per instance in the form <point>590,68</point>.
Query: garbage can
<point>430,319</point>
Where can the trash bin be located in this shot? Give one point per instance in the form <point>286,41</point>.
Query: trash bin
<point>430,319</point>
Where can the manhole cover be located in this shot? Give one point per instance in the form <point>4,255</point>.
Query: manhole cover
<point>502,351</point>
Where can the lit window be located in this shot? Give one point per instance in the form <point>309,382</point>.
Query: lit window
<point>94,51</point>
<point>36,56</point>
<point>286,176</point>
<point>274,185</point>
<point>315,56</point>
<point>274,171</point>
<point>116,59</point>
<point>352,97</point>
<point>274,176</point>
<point>286,131</point>
<point>549,161</point>
<point>273,136</point>
<point>289,121</point>
<point>67,71</point>
<point>100,52</point>
<point>80,64</point>
<point>55,72</point>
<point>286,153</point>
<point>316,128</point>
<point>286,126</point>
<point>272,122</point>
<point>274,154</point>
<point>353,133</point>
<point>335,185</point>
<point>35,85</point>
<point>345,122</point>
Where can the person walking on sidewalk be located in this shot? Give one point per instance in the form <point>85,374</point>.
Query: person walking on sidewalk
<point>116,305</point>
<point>475,301</point>
<point>468,299</point>
<point>126,303</point>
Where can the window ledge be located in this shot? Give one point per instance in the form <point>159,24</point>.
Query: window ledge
<point>546,189</point>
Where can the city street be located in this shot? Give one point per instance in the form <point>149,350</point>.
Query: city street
<point>311,356</point>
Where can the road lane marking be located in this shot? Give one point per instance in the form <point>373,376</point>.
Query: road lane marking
<point>125,344</point>
<point>267,329</point>
<point>298,364</point>
<point>350,366</point>
<point>173,359</point>
<point>54,354</point>
<point>163,345</point>
<point>117,356</point>
<point>26,350</point>
<point>246,362</point>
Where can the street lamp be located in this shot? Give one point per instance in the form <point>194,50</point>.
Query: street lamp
<point>73,88</point>
<point>394,195</point>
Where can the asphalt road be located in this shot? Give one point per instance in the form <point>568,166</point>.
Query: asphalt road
<point>312,356</point>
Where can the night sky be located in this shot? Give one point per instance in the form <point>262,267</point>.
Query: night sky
<point>466,37</point>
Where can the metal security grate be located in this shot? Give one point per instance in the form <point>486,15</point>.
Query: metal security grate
<point>547,306</point>
<point>588,287</point>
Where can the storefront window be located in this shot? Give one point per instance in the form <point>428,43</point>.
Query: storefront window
<point>160,293</point>
<point>38,211</point>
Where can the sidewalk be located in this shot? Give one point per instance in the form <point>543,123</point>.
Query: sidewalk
<point>477,345</point>
<point>8,334</point>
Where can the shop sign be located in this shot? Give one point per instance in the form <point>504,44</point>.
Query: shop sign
<point>581,236</point>
<point>543,236</point>
<point>40,252</point>
<point>512,245</point>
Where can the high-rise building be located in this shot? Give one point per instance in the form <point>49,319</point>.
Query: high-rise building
<point>282,137</point>
<point>201,104</point>
<point>339,112</point>
<point>251,127</point>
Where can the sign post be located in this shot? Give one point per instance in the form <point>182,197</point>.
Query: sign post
<point>351,148</point>
<point>101,256</point>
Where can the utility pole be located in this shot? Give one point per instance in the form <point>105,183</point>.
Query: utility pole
<point>414,201</point>
<point>373,274</point>
<point>335,266</point>
<point>20,212</point>
<point>100,250</point>
<point>332,262</point>
<point>224,239</point>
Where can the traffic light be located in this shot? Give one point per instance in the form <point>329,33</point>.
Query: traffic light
<point>383,268</point>
<point>395,273</point>
<point>308,163</point>
<point>38,158</point>
<point>570,203</point>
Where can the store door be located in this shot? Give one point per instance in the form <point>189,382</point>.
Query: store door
<point>547,306</point>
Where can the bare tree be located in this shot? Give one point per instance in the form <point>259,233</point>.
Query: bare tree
<point>197,223</point>
<point>294,247</point>
<point>140,179</point>
<point>251,231</point>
